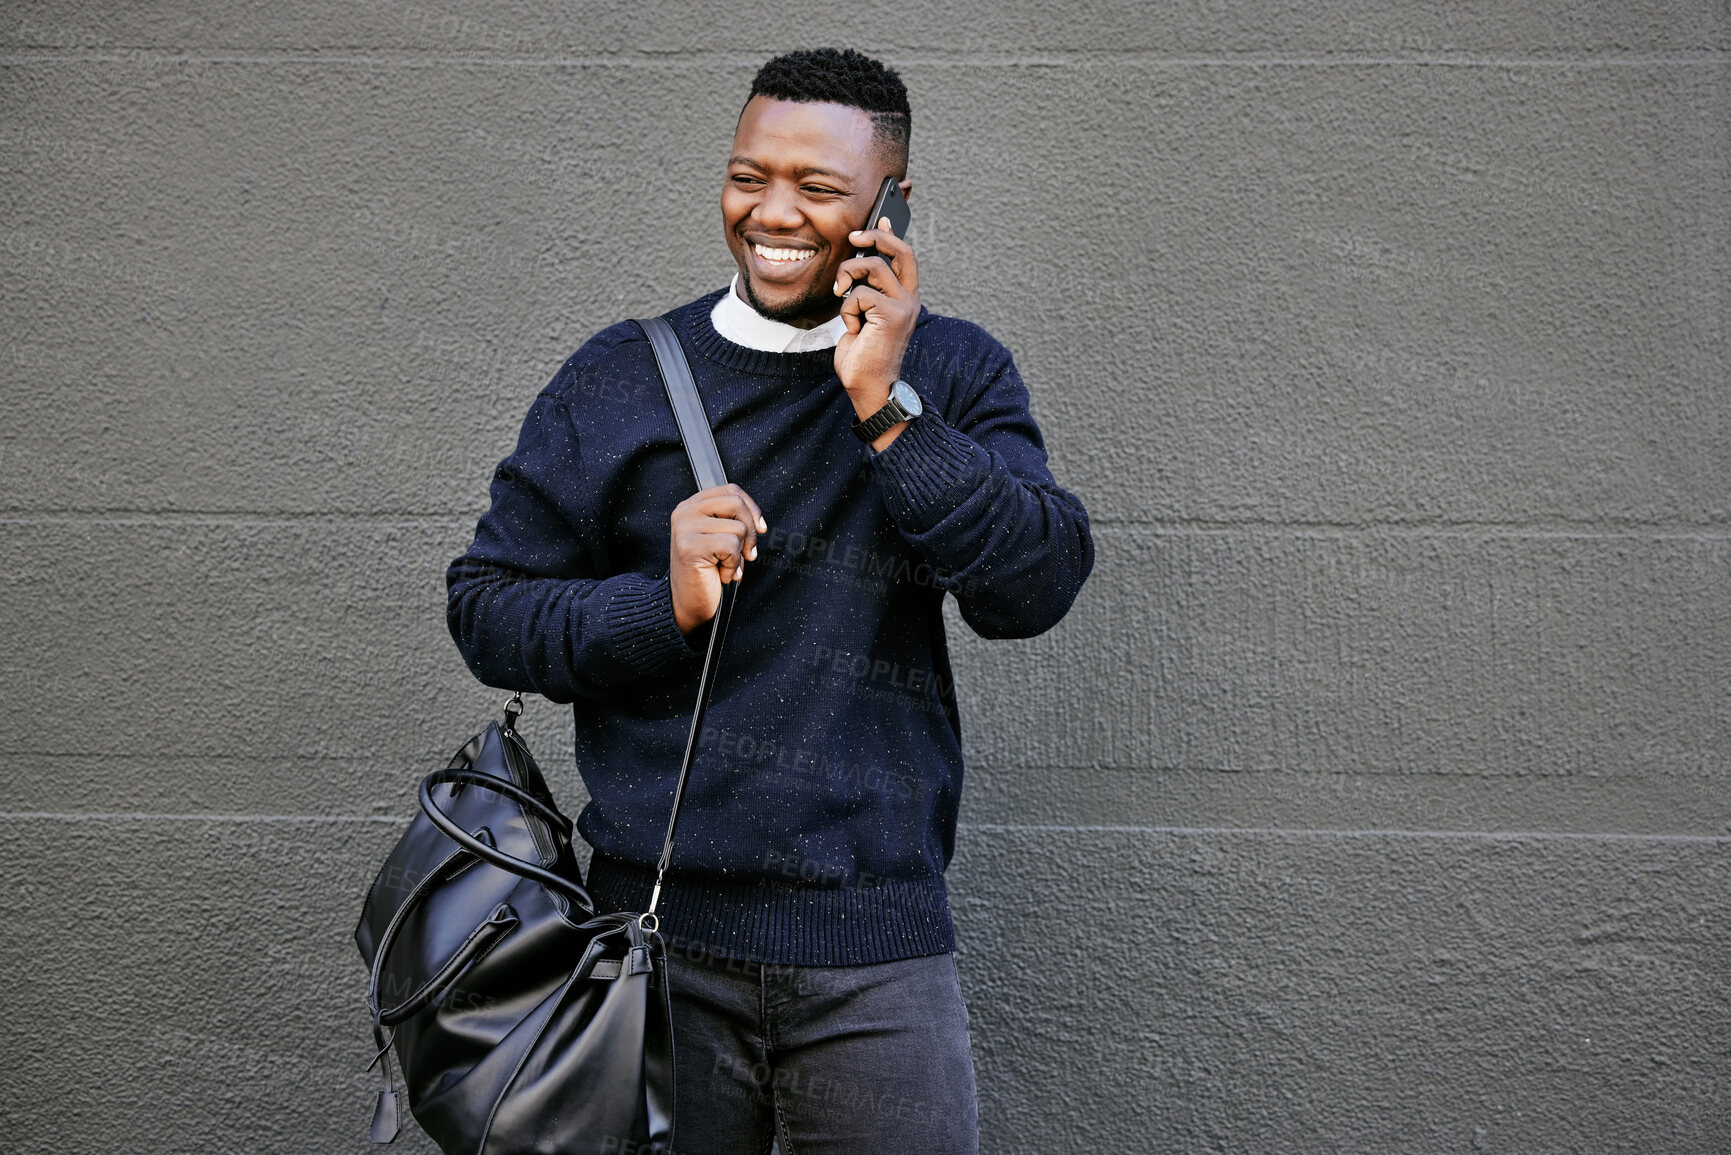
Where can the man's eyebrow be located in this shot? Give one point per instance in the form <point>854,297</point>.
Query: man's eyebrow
<point>803,171</point>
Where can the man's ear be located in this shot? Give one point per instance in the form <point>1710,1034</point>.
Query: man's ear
<point>907,188</point>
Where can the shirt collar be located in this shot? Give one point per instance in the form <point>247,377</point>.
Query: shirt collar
<point>744,325</point>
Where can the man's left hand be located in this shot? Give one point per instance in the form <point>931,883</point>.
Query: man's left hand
<point>879,312</point>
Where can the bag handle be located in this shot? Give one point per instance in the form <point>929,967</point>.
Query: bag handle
<point>488,852</point>
<point>469,847</point>
<point>706,467</point>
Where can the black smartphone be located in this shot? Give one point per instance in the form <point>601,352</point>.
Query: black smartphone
<point>891,204</point>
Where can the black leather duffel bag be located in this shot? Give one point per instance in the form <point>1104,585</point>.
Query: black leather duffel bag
<point>522,1020</point>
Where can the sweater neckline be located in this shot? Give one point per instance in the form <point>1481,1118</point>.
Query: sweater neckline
<point>700,331</point>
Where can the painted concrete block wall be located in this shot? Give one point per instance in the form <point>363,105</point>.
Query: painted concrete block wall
<point>1373,798</point>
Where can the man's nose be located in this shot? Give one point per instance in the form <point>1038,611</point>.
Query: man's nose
<point>778,209</point>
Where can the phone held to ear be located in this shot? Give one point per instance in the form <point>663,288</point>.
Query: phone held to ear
<point>891,204</point>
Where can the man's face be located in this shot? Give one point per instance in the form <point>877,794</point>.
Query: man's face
<point>800,178</point>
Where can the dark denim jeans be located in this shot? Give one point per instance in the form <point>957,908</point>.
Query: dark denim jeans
<point>854,1060</point>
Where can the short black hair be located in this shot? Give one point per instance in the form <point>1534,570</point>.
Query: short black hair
<point>843,76</point>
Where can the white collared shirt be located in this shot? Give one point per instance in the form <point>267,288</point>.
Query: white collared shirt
<point>744,325</point>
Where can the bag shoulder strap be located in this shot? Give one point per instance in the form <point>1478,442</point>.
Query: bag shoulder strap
<point>687,405</point>
<point>706,467</point>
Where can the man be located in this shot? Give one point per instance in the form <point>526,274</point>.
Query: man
<point>812,969</point>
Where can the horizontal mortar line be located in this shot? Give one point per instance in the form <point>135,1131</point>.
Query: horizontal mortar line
<point>173,758</point>
<point>1710,530</point>
<point>414,58</point>
<point>421,520</point>
<point>990,828</point>
<point>1272,831</point>
<point>1301,775</point>
<point>145,816</point>
<point>229,517</point>
<point>977,765</point>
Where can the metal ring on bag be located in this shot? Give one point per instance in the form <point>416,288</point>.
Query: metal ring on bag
<point>648,923</point>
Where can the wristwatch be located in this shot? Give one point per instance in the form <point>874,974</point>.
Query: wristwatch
<point>904,404</point>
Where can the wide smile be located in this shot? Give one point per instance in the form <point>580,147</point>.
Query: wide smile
<point>780,262</point>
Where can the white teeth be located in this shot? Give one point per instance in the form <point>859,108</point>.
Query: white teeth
<point>770,254</point>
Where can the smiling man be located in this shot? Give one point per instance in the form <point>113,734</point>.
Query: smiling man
<point>882,457</point>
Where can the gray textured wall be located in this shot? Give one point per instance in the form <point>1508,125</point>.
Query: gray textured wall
<point>1373,798</point>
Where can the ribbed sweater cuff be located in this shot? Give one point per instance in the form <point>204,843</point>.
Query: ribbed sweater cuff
<point>770,920</point>
<point>641,630</point>
<point>927,471</point>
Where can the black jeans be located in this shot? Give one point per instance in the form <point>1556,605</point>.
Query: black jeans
<point>853,1060</point>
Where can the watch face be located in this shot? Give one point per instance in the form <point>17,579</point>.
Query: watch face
<point>903,394</point>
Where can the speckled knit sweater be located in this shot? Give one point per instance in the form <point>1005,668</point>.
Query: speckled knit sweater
<point>821,810</point>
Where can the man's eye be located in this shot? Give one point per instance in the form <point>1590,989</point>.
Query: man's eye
<point>745,180</point>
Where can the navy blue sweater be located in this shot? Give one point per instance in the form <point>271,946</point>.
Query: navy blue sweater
<point>821,809</point>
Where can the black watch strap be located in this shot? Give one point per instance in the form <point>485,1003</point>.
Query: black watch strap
<point>875,426</point>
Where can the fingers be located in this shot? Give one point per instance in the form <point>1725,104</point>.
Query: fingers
<point>731,502</point>
<point>880,307</point>
<point>883,239</point>
<point>902,270</point>
<point>853,313</point>
<point>870,287</point>
<point>724,493</point>
<point>711,535</point>
<point>720,540</point>
<point>862,303</point>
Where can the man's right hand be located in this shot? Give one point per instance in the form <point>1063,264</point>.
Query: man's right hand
<point>714,533</point>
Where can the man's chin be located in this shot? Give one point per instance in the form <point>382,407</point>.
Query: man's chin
<point>808,309</point>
